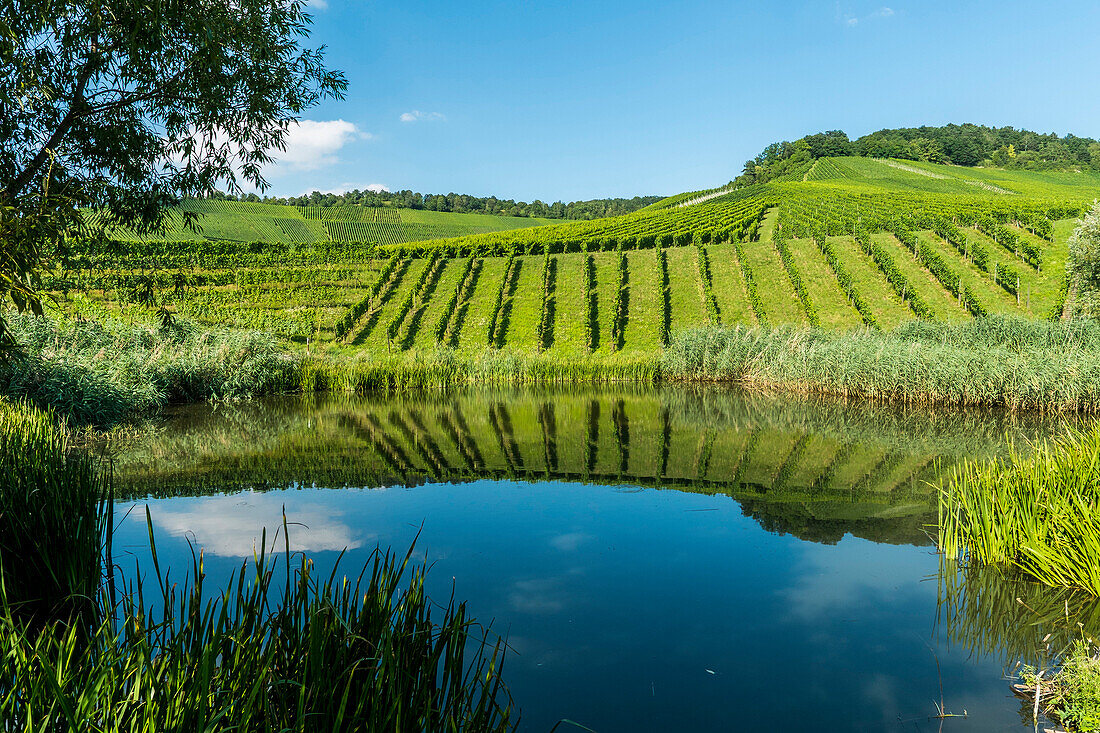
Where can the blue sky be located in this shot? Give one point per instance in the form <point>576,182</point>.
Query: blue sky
<point>570,100</point>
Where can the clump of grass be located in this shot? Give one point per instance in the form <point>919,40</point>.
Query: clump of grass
<point>1040,512</point>
<point>1003,362</point>
<point>1072,694</point>
<point>278,649</point>
<point>103,373</point>
<point>54,510</point>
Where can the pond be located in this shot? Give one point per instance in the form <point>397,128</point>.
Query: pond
<point>658,559</point>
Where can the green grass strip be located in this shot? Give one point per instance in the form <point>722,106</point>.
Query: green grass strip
<point>795,277</point>
<point>845,280</point>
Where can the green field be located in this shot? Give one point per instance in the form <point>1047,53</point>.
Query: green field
<point>859,242</point>
<point>240,221</point>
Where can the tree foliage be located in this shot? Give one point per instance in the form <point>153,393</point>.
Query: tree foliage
<point>461,203</point>
<point>967,145</point>
<point>1083,265</point>
<point>126,106</point>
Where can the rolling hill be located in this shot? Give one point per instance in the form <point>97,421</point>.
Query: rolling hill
<point>240,221</point>
<point>840,242</point>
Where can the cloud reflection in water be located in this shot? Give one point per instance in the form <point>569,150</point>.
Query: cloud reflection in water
<point>232,525</point>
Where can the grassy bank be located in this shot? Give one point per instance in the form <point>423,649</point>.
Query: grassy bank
<point>993,361</point>
<point>103,373</point>
<point>1072,694</point>
<point>277,649</point>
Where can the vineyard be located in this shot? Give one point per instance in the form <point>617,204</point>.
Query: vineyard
<point>847,243</point>
<point>245,222</point>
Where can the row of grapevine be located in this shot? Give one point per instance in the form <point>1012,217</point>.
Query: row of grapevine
<point>591,307</point>
<point>796,277</point>
<point>443,327</point>
<point>1038,225</point>
<point>894,276</point>
<point>940,270</point>
<point>353,314</point>
<point>544,332</point>
<point>1008,278</point>
<point>845,280</point>
<point>416,296</point>
<point>973,251</point>
<point>703,260</point>
<point>1012,242</point>
<point>750,284</point>
<point>493,338</point>
<point>618,309</point>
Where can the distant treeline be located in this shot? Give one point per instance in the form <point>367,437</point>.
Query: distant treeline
<point>969,145</point>
<point>460,203</point>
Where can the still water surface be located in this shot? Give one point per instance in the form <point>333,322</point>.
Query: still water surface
<point>658,560</point>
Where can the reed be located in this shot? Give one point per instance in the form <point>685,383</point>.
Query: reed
<point>102,373</point>
<point>54,510</point>
<point>1039,512</point>
<point>993,361</point>
<point>279,648</point>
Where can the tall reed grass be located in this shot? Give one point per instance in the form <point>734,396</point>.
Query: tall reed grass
<point>102,373</point>
<point>996,361</point>
<point>1040,512</point>
<point>277,649</point>
<point>54,510</point>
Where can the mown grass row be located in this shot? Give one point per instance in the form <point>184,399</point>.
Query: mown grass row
<point>894,276</point>
<point>940,270</point>
<point>847,284</point>
<point>664,297</point>
<point>796,278</point>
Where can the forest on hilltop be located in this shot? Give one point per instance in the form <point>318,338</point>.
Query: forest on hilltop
<point>458,203</point>
<point>965,145</point>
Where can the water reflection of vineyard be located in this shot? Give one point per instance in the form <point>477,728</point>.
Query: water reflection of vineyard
<point>815,469</point>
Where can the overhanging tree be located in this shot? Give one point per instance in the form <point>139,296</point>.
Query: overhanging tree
<point>128,106</point>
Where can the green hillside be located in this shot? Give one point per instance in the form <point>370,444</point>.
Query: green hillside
<point>841,243</point>
<point>240,221</point>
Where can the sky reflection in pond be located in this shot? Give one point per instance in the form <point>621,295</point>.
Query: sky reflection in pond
<point>785,582</point>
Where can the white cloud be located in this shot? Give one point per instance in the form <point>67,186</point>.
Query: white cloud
<point>313,144</point>
<point>417,115</point>
<point>568,542</point>
<point>851,20</point>
<point>319,4</point>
